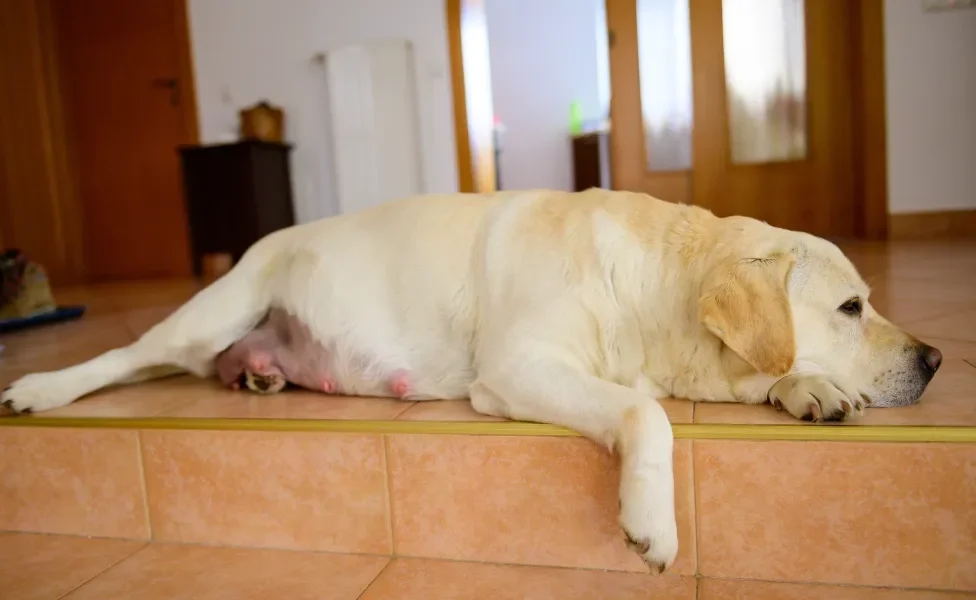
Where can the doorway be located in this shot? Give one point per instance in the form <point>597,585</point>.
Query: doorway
<point>128,98</point>
<point>763,108</point>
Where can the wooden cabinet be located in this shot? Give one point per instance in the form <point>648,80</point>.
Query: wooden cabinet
<point>235,195</point>
<point>591,161</point>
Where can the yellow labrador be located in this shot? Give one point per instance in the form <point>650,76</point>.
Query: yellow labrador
<point>574,309</point>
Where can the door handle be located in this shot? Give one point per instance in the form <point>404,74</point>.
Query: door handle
<point>172,84</point>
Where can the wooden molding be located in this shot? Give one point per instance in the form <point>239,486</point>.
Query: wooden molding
<point>462,141</point>
<point>870,121</point>
<point>188,91</point>
<point>948,224</point>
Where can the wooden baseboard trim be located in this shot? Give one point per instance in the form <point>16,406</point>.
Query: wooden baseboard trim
<point>798,432</point>
<point>932,225</point>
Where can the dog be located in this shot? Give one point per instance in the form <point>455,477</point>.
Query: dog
<point>577,309</point>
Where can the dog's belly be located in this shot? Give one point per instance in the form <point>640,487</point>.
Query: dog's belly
<point>282,346</point>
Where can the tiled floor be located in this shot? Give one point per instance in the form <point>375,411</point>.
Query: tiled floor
<point>927,287</point>
<point>48,567</point>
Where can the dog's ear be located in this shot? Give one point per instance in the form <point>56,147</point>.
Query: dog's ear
<point>745,304</point>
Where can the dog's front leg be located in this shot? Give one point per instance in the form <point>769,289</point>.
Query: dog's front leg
<point>635,425</point>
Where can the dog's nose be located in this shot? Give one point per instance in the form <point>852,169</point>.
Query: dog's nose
<point>931,358</point>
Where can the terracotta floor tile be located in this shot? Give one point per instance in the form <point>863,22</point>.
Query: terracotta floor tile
<point>146,399</point>
<point>107,298</point>
<point>444,410</point>
<point>743,414</point>
<point>164,572</point>
<point>724,589</point>
<point>949,400</point>
<point>938,260</point>
<point>140,320</point>
<point>302,491</point>
<point>541,501</point>
<point>678,411</point>
<point>906,301</point>
<point>413,579</point>
<point>956,326</point>
<point>73,481</point>
<point>88,336</point>
<point>46,567</point>
<point>874,514</point>
<point>220,402</point>
<point>953,348</point>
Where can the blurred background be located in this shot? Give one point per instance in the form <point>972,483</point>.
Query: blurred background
<point>139,139</point>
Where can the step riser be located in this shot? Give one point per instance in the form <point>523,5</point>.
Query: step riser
<point>877,514</point>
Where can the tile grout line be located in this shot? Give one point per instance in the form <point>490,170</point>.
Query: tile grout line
<point>535,565</point>
<point>70,535</point>
<point>842,585</point>
<point>952,313</point>
<point>388,488</point>
<point>239,547</point>
<point>410,405</point>
<point>105,570</point>
<point>694,487</point>
<point>389,561</point>
<point>144,484</point>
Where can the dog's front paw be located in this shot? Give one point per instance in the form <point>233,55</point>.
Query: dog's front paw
<point>816,398</point>
<point>649,524</point>
<point>37,392</point>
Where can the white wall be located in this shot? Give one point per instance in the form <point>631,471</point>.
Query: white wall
<point>931,96</point>
<point>543,57</point>
<point>248,50</point>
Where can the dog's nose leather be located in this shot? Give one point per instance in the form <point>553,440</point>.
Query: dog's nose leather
<point>932,358</point>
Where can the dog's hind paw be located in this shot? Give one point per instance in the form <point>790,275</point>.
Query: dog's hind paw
<point>37,392</point>
<point>264,384</point>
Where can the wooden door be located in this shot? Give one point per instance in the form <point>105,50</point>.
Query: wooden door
<point>746,105</point>
<point>128,101</point>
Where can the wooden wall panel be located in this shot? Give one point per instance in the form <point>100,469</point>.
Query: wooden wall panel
<point>38,211</point>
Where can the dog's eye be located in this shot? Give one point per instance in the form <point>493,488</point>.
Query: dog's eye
<point>852,307</point>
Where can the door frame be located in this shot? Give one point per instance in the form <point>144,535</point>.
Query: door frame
<point>870,193</point>
<point>188,92</point>
<point>870,122</point>
<point>474,145</point>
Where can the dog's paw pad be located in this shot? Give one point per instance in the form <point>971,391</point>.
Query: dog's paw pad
<point>264,384</point>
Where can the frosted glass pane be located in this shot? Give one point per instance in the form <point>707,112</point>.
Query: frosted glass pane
<point>766,79</point>
<point>664,52</point>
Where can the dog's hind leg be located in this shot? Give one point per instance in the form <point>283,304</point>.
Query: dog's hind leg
<point>187,340</point>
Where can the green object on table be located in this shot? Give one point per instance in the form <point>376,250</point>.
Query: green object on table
<point>575,118</point>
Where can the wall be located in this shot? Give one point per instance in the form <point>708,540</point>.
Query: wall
<point>248,50</point>
<point>931,98</point>
<point>543,57</point>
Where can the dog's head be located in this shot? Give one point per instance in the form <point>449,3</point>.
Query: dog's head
<point>787,302</point>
